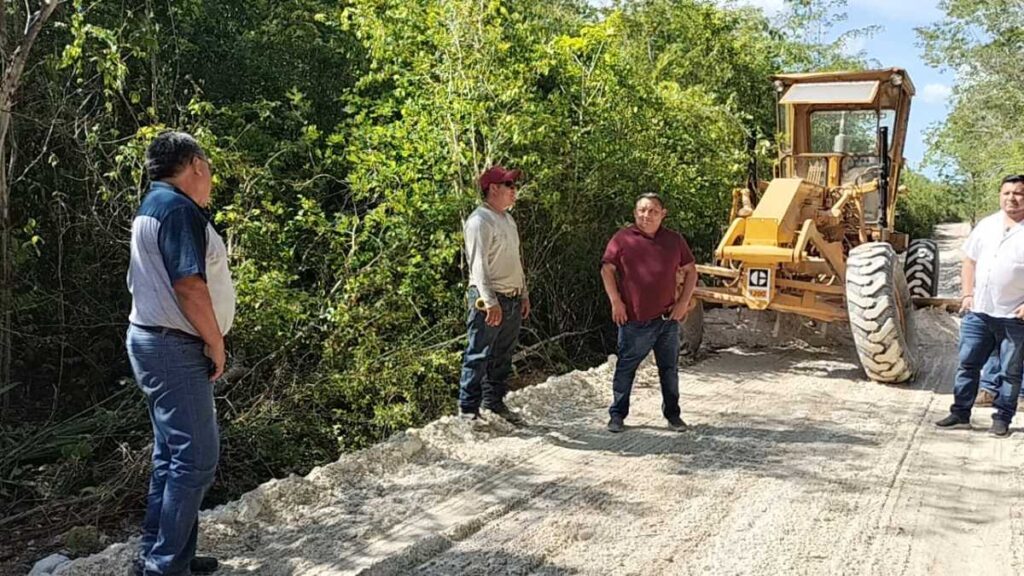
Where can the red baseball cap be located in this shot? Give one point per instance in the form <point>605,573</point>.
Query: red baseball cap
<point>497,175</point>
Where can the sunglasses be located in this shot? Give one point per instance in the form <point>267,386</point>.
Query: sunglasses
<point>510,183</point>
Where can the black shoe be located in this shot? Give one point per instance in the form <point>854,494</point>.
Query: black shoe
<point>615,424</point>
<point>953,421</point>
<point>472,416</point>
<point>507,414</point>
<point>676,423</point>
<point>198,565</point>
<point>999,429</point>
<point>203,565</point>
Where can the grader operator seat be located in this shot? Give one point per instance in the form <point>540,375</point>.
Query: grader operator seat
<point>830,125</point>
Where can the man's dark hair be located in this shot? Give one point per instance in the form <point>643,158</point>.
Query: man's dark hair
<point>651,196</point>
<point>1012,179</point>
<point>169,153</point>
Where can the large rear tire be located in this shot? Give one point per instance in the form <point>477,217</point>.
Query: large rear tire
<point>878,301</point>
<point>691,331</point>
<point>922,268</point>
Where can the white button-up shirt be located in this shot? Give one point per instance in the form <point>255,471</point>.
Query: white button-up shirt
<point>999,272</point>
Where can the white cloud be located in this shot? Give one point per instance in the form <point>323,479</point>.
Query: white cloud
<point>770,7</point>
<point>853,45</point>
<point>936,93</point>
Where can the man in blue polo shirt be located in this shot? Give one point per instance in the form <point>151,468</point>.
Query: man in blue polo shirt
<point>183,302</point>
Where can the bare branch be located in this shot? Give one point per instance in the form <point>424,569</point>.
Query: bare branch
<point>3,30</point>
<point>12,78</point>
<point>14,66</point>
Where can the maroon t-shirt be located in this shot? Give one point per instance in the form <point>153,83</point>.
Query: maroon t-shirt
<point>647,269</point>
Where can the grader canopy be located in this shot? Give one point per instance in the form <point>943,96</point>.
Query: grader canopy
<point>819,239</point>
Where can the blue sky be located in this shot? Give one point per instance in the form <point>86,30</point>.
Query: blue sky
<point>896,45</point>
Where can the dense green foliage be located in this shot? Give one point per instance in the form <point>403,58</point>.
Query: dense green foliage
<point>980,141</point>
<point>925,204</point>
<point>345,138</point>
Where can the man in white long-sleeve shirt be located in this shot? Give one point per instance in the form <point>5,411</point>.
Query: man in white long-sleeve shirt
<point>497,296</point>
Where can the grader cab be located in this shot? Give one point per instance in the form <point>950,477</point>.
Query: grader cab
<point>819,240</point>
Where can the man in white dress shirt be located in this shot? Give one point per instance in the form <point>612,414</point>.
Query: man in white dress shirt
<point>992,281</point>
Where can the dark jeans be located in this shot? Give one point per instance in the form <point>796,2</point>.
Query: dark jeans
<point>980,336</point>
<point>487,361</point>
<point>990,375</point>
<point>636,340</point>
<point>171,370</point>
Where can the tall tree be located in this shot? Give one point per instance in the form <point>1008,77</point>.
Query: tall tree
<point>982,41</point>
<point>15,49</point>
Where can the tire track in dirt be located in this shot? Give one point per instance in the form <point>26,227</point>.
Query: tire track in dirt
<point>697,521</point>
<point>546,461</point>
<point>559,489</point>
<point>776,518</point>
<point>886,541</point>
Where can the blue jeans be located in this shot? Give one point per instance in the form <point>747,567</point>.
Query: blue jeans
<point>980,336</point>
<point>172,371</point>
<point>990,375</point>
<point>636,340</point>
<point>487,361</point>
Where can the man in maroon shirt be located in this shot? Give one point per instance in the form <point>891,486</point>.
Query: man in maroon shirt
<point>639,270</point>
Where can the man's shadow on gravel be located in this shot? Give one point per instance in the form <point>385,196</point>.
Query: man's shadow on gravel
<point>779,449</point>
<point>482,562</point>
<point>490,562</point>
<point>735,362</point>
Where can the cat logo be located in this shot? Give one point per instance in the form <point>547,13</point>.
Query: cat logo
<point>759,284</point>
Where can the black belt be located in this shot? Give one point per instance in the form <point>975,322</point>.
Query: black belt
<point>162,330</point>
<point>513,295</point>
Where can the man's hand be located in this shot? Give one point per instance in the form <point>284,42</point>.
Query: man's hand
<point>1019,312</point>
<point>967,269</point>
<point>525,304</point>
<point>194,299</point>
<point>680,310</point>
<point>619,312</point>
<point>611,288</point>
<point>967,302</point>
<point>216,355</point>
<point>493,315</point>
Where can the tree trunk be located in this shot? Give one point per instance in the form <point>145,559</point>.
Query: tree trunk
<point>14,65</point>
<point>6,277</point>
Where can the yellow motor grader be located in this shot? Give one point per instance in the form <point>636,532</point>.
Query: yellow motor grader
<point>819,239</point>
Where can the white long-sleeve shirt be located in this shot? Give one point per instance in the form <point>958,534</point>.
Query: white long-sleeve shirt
<point>492,250</point>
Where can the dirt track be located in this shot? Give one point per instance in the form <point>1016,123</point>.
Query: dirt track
<point>794,464</point>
